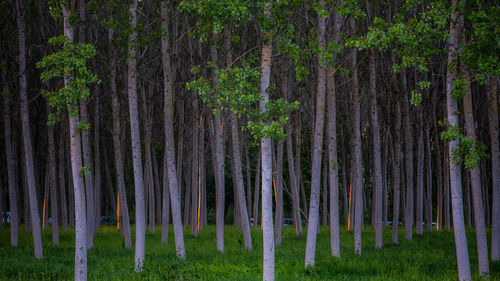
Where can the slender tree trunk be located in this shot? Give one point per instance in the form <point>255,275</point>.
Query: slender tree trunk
<point>357,167</point>
<point>409,160</point>
<point>97,162</point>
<point>428,212</point>
<point>267,166</point>
<point>117,146</point>
<point>439,180</point>
<point>156,181</point>
<point>86,150</point>
<point>9,156</point>
<point>140,212</point>
<point>455,173</point>
<point>53,185</point>
<point>165,210</point>
<point>396,175</point>
<point>111,193</point>
<point>420,180</point>
<point>219,163</point>
<point>377,175</point>
<point>495,168</point>
<point>25,122</point>
<point>62,179</point>
<point>194,173</point>
<point>76,168</point>
<point>249,180</point>
<point>475,179</point>
<point>148,169</point>
<point>297,221</point>
<point>279,215</point>
<point>168,112</point>
<point>257,191</point>
<point>312,227</point>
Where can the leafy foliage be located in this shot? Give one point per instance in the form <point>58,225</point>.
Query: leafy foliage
<point>68,63</point>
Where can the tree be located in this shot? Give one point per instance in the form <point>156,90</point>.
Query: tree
<point>140,211</point>
<point>168,112</point>
<point>313,221</point>
<point>25,122</point>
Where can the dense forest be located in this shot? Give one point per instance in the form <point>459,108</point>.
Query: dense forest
<point>366,114</point>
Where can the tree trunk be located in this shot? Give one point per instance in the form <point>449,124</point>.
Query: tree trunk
<point>62,179</point>
<point>313,221</point>
<point>428,209</point>
<point>165,210</point>
<point>168,111</point>
<point>409,160</point>
<point>117,146</point>
<point>25,122</point>
<point>267,166</point>
<point>9,155</point>
<point>53,185</point>
<point>97,161</point>
<point>455,173</point>
<point>495,168</point>
<point>219,162</point>
<point>140,212</point>
<point>396,175</point>
<point>78,182</point>
<point>377,175</point>
<point>195,170</point>
<point>420,180</point>
<point>86,150</point>
<point>475,179</point>
<point>257,191</point>
<point>358,173</point>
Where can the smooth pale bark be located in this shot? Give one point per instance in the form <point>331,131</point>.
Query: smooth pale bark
<point>455,172</point>
<point>420,182</point>
<point>140,212</point>
<point>62,179</point>
<point>78,182</point>
<point>168,112</point>
<point>117,145</point>
<point>257,191</point>
<point>439,180</point>
<point>446,190</point>
<point>377,177</point>
<point>180,148</point>
<point>279,216</point>
<point>219,162</point>
<point>408,141</point>
<point>194,173</point>
<point>267,165</point>
<point>249,181</point>
<point>495,168</point>
<point>240,192</point>
<point>97,161</point>
<point>333,165</point>
<point>148,169</point>
<point>357,167</point>
<point>53,185</point>
<point>165,208</point>
<point>475,179</point>
<point>297,221</point>
<point>396,175</point>
<point>86,150</point>
<point>156,182</point>
<point>298,169</point>
<point>428,162</point>
<point>25,122</point>
<point>313,221</point>
<point>9,157</point>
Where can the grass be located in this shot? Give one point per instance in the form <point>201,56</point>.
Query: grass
<point>427,257</point>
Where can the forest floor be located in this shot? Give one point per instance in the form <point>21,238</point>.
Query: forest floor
<point>427,257</point>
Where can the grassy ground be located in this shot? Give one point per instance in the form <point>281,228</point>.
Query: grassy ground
<point>429,257</point>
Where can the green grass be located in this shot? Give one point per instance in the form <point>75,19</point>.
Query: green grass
<point>427,257</point>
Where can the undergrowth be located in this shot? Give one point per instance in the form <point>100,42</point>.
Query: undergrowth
<point>427,257</point>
